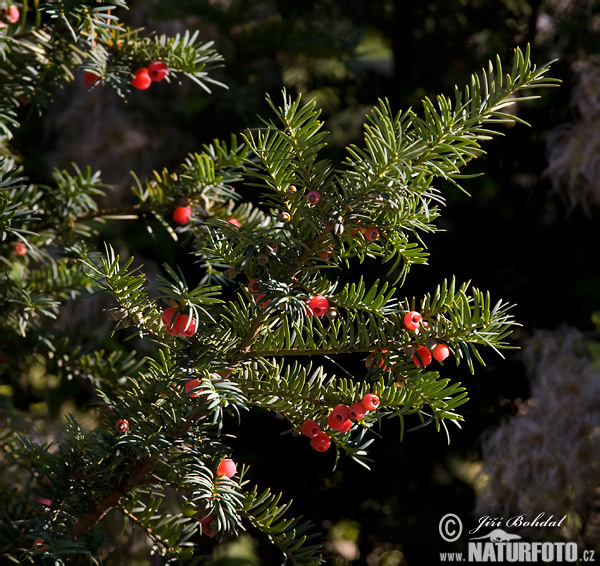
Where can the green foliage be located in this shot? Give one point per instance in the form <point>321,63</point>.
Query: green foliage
<point>160,473</point>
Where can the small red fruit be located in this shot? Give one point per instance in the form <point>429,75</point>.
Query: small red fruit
<point>167,315</point>
<point>182,214</point>
<point>372,234</point>
<point>441,352</point>
<point>326,253</point>
<point>227,468</point>
<point>141,79</point>
<point>340,413</point>
<point>122,425</point>
<point>157,71</point>
<point>412,320</point>
<point>321,442</point>
<point>235,222</point>
<point>370,402</point>
<point>170,319</point>
<point>46,502</point>
<point>13,15</point>
<point>255,285</point>
<point>20,248</point>
<point>318,306</point>
<point>357,411</point>
<point>209,529</point>
<point>422,356</point>
<point>310,428</point>
<point>313,197</point>
<point>191,385</point>
<point>203,518</point>
<point>38,544</point>
<point>90,78</point>
<point>340,426</point>
<point>185,325</point>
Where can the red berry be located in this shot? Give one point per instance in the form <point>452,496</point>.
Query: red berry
<point>227,468</point>
<point>313,197</point>
<point>20,248</point>
<point>261,304</point>
<point>310,428</point>
<point>38,544</point>
<point>141,79</point>
<point>273,247</point>
<point>339,425</point>
<point>412,320</point>
<point>203,518</point>
<point>182,214</point>
<point>185,325</point>
<point>331,422</point>
<point>340,413</point>
<point>122,425</point>
<point>255,285</point>
<point>157,71</point>
<point>441,352</point>
<point>167,315</point>
<point>209,529</point>
<point>370,402</point>
<point>235,222</point>
<point>171,319</point>
<point>422,356</point>
<point>46,502</point>
<point>318,306</point>
<point>191,385</point>
<point>13,15</point>
<point>357,411</point>
<point>90,78</point>
<point>321,442</point>
<point>326,253</point>
<point>372,234</point>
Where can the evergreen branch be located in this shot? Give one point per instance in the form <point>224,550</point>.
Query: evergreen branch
<point>128,289</point>
<point>80,17</point>
<point>182,54</point>
<point>301,128</point>
<point>289,535</point>
<point>139,474</point>
<point>447,137</point>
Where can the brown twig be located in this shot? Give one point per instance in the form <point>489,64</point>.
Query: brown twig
<point>137,476</point>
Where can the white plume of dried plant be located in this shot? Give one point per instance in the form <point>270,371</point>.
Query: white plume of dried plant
<point>546,459</point>
<point>573,149</point>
